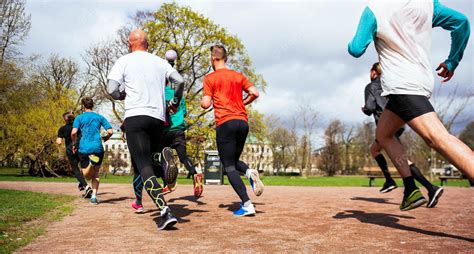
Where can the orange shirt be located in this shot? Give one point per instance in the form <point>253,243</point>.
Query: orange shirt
<point>225,86</point>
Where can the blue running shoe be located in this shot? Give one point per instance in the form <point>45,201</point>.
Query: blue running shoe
<point>245,211</point>
<point>94,201</point>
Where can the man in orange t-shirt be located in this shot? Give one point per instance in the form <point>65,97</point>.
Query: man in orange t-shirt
<point>223,88</point>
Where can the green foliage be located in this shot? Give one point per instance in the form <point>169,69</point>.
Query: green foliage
<point>17,208</point>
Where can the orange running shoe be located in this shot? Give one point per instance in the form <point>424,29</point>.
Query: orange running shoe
<point>197,182</point>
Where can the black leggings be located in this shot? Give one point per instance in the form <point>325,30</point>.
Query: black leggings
<point>231,136</point>
<point>74,162</point>
<point>143,137</point>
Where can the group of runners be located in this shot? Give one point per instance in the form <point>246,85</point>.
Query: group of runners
<point>402,83</point>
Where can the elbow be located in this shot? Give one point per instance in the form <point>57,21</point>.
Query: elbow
<point>355,51</point>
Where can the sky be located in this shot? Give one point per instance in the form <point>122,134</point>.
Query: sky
<point>300,47</point>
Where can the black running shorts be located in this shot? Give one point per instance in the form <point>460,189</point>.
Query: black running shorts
<point>408,107</point>
<point>85,160</point>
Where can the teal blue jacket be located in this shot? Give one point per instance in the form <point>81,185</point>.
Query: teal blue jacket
<point>176,121</point>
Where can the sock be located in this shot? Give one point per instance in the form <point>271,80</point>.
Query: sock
<point>164,210</point>
<point>380,159</point>
<point>247,203</point>
<point>247,173</point>
<point>410,185</point>
<point>416,173</point>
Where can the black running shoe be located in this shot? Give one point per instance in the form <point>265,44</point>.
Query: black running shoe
<point>388,186</point>
<point>88,193</point>
<point>167,219</point>
<point>434,196</point>
<point>169,166</point>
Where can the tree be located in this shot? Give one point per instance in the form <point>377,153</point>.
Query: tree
<point>116,162</point>
<point>190,34</point>
<point>15,25</point>
<point>330,156</point>
<point>281,140</point>
<point>467,135</point>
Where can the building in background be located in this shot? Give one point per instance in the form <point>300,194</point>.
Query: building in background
<point>258,155</point>
<point>117,157</point>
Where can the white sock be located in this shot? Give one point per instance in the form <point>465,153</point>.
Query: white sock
<point>247,203</point>
<point>247,173</point>
<point>163,211</point>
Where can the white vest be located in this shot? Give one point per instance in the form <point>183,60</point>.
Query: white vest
<point>403,43</point>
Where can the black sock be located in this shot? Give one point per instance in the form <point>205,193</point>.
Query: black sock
<point>410,185</point>
<point>236,182</point>
<point>416,173</point>
<point>383,166</point>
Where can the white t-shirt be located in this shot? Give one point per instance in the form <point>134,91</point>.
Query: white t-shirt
<point>403,43</point>
<point>143,76</point>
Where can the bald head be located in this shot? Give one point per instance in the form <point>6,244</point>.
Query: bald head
<point>138,40</point>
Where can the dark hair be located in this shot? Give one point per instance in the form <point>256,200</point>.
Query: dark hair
<point>219,52</point>
<point>376,67</point>
<point>68,117</point>
<point>87,102</point>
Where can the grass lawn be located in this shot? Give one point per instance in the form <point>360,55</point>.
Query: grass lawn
<point>24,215</point>
<point>12,174</point>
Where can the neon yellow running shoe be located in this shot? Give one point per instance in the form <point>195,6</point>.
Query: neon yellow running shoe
<point>94,159</point>
<point>413,200</point>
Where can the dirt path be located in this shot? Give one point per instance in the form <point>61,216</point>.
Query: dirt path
<point>302,219</point>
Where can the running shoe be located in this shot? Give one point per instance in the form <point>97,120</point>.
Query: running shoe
<point>198,187</point>
<point>94,159</point>
<point>255,182</point>
<point>167,219</point>
<point>88,193</point>
<point>169,188</point>
<point>388,186</point>
<point>413,200</point>
<point>80,187</point>
<point>138,208</point>
<point>245,211</point>
<point>169,166</point>
<point>94,201</point>
<point>434,196</point>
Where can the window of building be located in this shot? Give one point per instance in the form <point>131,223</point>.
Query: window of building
<point>113,147</point>
<point>125,156</point>
<point>106,147</point>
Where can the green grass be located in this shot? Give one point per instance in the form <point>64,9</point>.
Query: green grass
<point>24,215</point>
<point>12,174</point>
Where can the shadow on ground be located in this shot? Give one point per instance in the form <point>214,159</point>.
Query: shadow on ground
<point>391,221</point>
<point>190,198</point>
<point>375,200</point>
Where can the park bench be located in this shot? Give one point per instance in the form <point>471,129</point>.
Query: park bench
<point>375,172</point>
<point>444,179</point>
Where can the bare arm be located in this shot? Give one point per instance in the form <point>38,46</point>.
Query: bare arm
<point>109,134</point>
<point>74,139</point>
<point>206,101</point>
<point>252,95</point>
<point>59,141</point>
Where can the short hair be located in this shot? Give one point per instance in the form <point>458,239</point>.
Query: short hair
<point>87,102</point>
<point>377,68</point>
<point>68,117</point>
<point>219,52</point>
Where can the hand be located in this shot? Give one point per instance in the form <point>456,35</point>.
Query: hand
<point>445,72</point>
<point>171,108</point>
<point>74,149</point>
